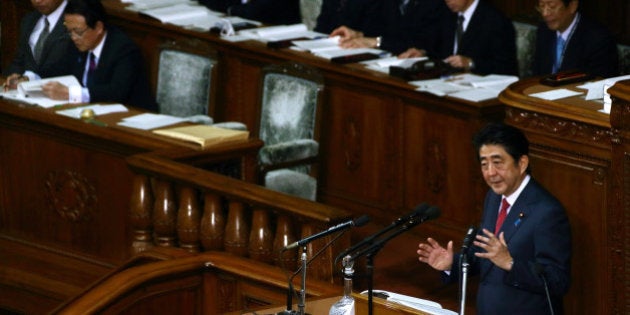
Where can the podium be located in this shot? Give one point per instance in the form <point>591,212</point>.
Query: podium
<point>320,306</point>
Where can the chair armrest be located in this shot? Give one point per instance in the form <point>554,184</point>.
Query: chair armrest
<point>289,151</point>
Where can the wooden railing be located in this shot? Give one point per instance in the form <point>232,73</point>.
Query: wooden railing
<point>165,281</point>
<point>176,204</point>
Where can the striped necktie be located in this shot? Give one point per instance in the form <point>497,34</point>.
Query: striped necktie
<point>39,46</point>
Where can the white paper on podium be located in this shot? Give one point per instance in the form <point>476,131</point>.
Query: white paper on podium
<point>427,306</point>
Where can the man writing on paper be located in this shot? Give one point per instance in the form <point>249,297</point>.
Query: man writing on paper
<point>109,65</point>
<point>568,40</point>
<point>43,46</point>
<point>474,37</point>
<point>525,245</point>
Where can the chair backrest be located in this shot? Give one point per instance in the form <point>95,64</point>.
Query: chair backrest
<point>310,11</point>
<point>525,47</point>
<point>624,59</point>
<point>291,94</point>
<point>186,72</point>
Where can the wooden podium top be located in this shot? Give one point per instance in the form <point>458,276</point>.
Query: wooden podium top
<point>322,306</point>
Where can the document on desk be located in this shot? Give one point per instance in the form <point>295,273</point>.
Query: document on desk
<point>30,92</point>
<point>148,121</point>
<point>556,94</point>
<point>423,305</point>
<point>184,14</point>
<point>98,110</point>
<point>383,64</point>
<point>279,32</point>
<point>139,5</point>
<point>439,87</point>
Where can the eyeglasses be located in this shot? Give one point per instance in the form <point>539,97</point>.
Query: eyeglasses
<point>78,33</point>
<point>547,7</point>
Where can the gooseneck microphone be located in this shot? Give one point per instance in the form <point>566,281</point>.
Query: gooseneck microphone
<point>361,221</point>
<point>431,213</point>
<point>540,271</point>
<point>463,260</point>
<point>419,210</point>
<point>468,239</point>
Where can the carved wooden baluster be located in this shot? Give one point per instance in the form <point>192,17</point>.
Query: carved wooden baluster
<point>140,214</point>
<point>284,236</point>
<point>212,223</point>
<point>188,217</point>
<point>260,237</point>
<point>236,230</point>
<point>164,214</point>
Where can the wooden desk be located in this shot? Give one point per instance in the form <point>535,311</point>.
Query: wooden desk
<point>64,200</point>
<point>580,155</point>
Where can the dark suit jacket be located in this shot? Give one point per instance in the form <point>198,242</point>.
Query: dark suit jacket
<point>267,11</point>
<point>416,28</point>
<point>537,231</point>
<point>55,59</point>
<point>489,40</point>
<point>362,15</point>
<point>591,48</point>
<point>120,75</point>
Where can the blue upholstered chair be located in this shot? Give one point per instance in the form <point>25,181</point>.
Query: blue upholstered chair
<point>291,94</point>
<point>624,59</point>
<point>185,82</point>
<point>309,10</point>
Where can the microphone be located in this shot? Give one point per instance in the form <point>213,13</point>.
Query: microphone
<point>431,213</point>
<point>362,220</point>
<point>540,271</point>
<point>417,211</point>
<point>468,239</point>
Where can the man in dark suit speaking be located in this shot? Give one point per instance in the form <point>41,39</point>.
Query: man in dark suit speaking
<point>568,40</point>
<point>524,248</point>
<point>108,63</point>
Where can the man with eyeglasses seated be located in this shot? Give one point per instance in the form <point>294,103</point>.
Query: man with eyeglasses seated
<point>108,63</point>
<point>43,45</point>
<point>568,40</point>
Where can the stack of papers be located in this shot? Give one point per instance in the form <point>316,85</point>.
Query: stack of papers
<point>279,33</point>
<point>139,5</point>
<point>383,64</point>
<point>30,92</point>
<point>423,305</point>
<point>149,121</point>
<point>328,48</point>
<point>470,87</point>
<point>188,15</point>
<point>98,109</point>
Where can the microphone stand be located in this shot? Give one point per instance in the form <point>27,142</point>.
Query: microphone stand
<point>289,310</point>
<point>371,251</point>
<point>302,301</point>
<point>464,277</point>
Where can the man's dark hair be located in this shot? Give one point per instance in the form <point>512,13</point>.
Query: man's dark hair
<point>512,139</point>
<point>92,10</point>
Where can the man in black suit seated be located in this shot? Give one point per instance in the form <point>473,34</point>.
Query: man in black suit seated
<point>568,40</point>
<point>406,23</point>
<point>361,15</point>
<point>279,12</point>
<point>474,36</point>
<point>108,63</point>
<point>43,44</point>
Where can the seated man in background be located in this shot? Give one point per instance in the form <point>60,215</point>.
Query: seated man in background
<point>361,15</point>
<point>406,23</point>
<point>43,44</point>
<point>108,63</point>
<point>474,37</point>
<point>568,40</point>
<point>278,12</point>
